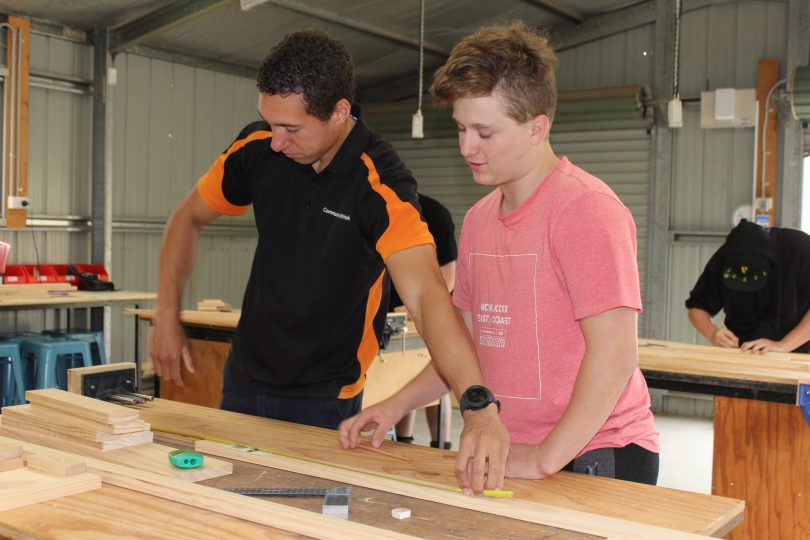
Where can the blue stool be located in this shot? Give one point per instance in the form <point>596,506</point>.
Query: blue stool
<point>52,357</point>
<point>95,339</point>
<point>11,372</point>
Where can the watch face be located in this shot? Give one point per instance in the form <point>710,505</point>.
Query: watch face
<point>477,395</point>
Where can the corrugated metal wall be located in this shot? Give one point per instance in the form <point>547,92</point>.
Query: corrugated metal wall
<point>170,122</point>
<point>720,47</point>
<point>58,168</point>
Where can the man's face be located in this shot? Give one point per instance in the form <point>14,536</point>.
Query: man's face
<point>496,147</point>
<point>298,135</point>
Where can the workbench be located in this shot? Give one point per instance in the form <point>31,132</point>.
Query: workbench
<point>113,510</point>
<point>210,334</point>
<point>75,299</point>
<point>761,431</point>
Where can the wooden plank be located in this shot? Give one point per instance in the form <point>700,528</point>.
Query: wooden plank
<point>760,455</point>
<point>78,405</point>
<point>75,375</point>
<point>12,463</point>
<point>724,370</point>
<point>147,457</point>
<point>767,77</point>
<point>10,452</point>
<point>22,487</point>
<point>16,217</point>
<point>676,509</point>
<point>112,512</point>
<point>128,440</point>
<point>263,512</point>
<point>517,509</point>
<point>78,298</point>
<point>52,415</point>
<point>711,351</point>
<point>56,465</point>
<point>22,416</point>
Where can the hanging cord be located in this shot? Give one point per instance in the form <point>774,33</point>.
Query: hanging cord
<point>677,47</point>
<point>763,150</point>
<point>421,51</point>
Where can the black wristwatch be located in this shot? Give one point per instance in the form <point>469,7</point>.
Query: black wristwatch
<point>476,398</point>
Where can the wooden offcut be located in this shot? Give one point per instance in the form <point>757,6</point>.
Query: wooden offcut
<point>110,442</point>
<point>82,406</point>
<point>149,457</point>
<point>22,416</point>
<point>231,504</point>
<point>57,465</point>
<point>56,416</point>
<point>12,463</point>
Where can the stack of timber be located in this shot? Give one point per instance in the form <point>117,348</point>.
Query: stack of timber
<point>98,429</point>
<point>9,293</point>
<point>78,419</point>
<point>36,477</point>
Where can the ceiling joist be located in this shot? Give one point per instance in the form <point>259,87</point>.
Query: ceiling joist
<point>354,24</point>
<point>558,8</point>
<point>160,21</point>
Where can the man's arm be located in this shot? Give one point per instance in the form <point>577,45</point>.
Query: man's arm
<point>167,343</point>
<point>611,356</point>
<point>484,441</point>
<point>793,339</point>
<point>720,337</point>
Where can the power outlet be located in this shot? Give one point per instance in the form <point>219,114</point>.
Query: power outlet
<point>18,202</point>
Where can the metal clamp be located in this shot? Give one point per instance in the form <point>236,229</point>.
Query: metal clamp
<point>804,401</point>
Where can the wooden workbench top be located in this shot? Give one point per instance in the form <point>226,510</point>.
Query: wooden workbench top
<point>698,513</point>
<point>78,298</point>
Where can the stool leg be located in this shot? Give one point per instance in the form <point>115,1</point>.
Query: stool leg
<point>46,369</point>
<point>18,368</point>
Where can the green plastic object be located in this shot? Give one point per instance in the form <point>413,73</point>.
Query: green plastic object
<point>185,459</point>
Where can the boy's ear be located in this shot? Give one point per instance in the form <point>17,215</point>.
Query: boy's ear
<point>541,125</point>
<point>342,110</point>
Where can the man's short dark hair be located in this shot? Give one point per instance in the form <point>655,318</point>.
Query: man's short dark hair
<point>311,63</point>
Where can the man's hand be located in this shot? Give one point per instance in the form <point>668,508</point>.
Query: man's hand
<point>167,345</point>
<point>724,337</point>
<point>762,345</point>
<point>484,447</point>
<point>379,418</point>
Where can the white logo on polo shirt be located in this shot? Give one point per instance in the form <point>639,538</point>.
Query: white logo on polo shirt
<point>336,214</point>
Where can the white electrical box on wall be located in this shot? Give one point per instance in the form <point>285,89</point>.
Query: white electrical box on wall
<point>728,108</point>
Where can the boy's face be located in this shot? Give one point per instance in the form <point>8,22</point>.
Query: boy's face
<point>497,148</point>
<point>297,134</point>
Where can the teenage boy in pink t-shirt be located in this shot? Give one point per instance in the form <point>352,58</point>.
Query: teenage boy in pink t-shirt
<point>546,280</point>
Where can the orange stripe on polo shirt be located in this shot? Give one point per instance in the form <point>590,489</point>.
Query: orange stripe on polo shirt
<point>369,344</point>
<point>209,186</point>
<point>409,231</point>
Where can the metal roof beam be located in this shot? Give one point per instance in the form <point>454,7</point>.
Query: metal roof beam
<point>557,8</point>
<point>238,70</point>
<point>159,21</point>
<point>367,28</point>
<point>568,35</point>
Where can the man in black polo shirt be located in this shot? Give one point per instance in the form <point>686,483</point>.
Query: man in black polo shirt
<point>760,278</point>
<point>335,210</point>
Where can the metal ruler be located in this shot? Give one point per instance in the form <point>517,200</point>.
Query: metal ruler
<point>292,492</point>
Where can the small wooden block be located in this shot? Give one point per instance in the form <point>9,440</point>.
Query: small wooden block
<point>56,465</point>
<point>11,464</point>
<point>10,452</point>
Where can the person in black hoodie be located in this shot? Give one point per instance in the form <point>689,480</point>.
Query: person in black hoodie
<point>760,278</point>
